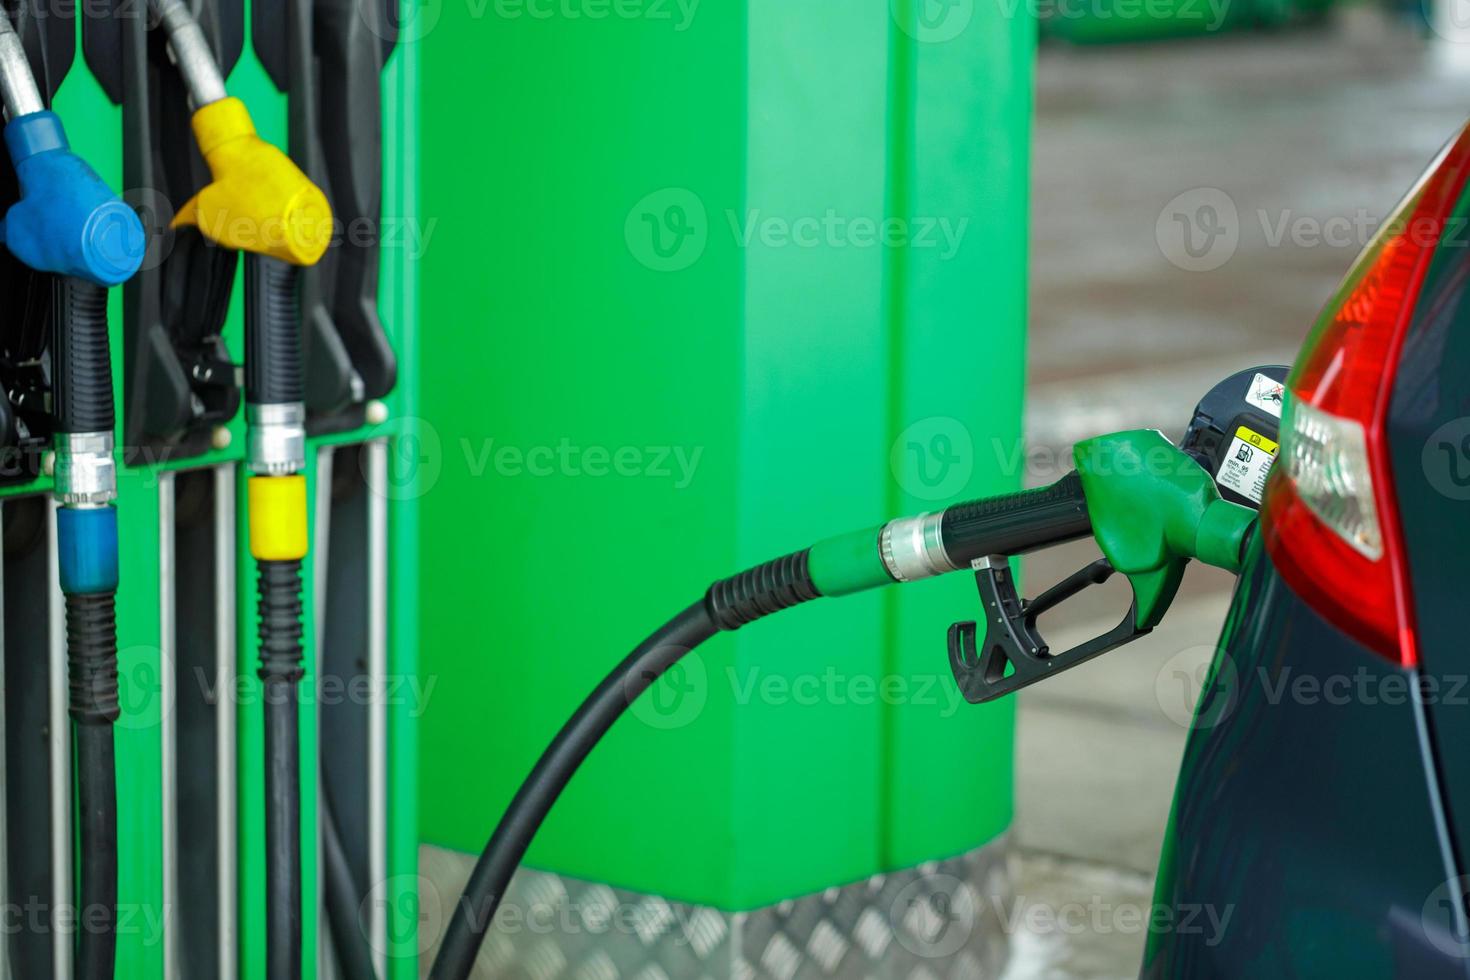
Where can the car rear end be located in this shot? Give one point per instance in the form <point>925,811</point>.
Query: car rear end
<point>1323,803</point>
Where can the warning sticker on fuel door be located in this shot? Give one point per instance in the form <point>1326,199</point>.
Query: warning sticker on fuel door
<point>1247,464</point>
<point>1266,394</point>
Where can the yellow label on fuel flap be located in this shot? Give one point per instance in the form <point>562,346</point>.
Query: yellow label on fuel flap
<point>1248,435</point>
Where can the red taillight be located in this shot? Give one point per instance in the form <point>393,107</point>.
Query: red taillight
<point>1330,519</point>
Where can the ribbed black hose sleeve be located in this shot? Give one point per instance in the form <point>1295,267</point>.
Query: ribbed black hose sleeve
<point>91,651</point>
<point>91,641</point>
<point>760,591</point>
<point>82,362</point>
<point>472,915</point>
<point>343,899</point>
<point>1016,522</point>
<point>272,332</point>
<point>279,589</point>
<point>280,672</point>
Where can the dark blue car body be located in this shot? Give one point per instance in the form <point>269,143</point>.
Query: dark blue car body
<point>1323,801</point>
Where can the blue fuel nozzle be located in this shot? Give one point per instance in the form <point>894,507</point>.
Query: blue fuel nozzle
<point>67,221</point>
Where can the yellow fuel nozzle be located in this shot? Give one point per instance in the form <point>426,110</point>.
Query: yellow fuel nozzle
<point>259,200</point>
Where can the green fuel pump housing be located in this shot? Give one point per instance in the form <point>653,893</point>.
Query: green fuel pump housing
<point>732,297</point>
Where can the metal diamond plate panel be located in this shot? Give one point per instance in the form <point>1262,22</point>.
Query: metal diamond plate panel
<point>939,921</point>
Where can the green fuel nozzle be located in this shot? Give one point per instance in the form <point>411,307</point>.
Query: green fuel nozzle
<point>1150,506</point>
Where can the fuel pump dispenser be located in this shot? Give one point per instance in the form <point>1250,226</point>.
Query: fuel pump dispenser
<point>1152,506</point>
<point>261,204</point>
<point>69,223</point>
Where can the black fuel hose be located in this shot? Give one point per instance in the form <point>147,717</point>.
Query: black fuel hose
<point>273,381</point>
<point>273,372</point>
<point>92,662</point>
<point>728,605</point>
<point>354,953</point>
<point>82,385</point>
<point>280,675</point>
<point>1008,524</point>
<point>87,567</point>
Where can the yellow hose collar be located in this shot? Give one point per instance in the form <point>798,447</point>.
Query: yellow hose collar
<point>277,506</point>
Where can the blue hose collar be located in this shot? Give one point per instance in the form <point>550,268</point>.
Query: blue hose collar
<point>67,220</point>
<point>86,548</point>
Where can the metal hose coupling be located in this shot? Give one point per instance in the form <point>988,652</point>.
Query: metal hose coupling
<point>913,547</point>
<point>86,473</point>
<point>275,438</point>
